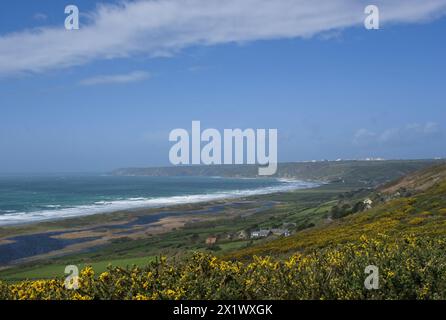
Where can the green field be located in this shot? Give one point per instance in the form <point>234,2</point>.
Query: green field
<point>57,270</point>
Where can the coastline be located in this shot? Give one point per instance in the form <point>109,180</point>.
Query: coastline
<point>27,243</point>
<point>136,204</point>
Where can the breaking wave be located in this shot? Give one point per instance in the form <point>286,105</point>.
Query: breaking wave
<point>55,212</point>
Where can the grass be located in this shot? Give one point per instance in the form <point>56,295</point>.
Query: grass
<point>233,245</point>
<point>51,271</point>
<point>409,268</point>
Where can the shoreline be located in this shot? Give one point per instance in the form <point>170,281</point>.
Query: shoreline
<point>137,204</point>
<point>29,245</point>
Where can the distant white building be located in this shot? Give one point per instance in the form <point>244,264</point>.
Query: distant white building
<point>266,233</point>
<point>367,204</point>
<point>260,233</point>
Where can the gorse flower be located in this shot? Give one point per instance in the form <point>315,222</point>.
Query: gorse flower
<point>410,268</point>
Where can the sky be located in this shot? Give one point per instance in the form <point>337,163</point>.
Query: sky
<point>107,95</point>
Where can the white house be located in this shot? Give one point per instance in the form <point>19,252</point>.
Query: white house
<point>260,233</point>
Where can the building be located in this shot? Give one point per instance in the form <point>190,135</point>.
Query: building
<point>367,204</point>
<point>210,241</point>
<point>280,232</point>
<point>260,233</point>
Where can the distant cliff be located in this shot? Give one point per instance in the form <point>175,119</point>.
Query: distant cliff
<point>365,172</point>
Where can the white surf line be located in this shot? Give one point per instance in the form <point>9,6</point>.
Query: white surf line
<point>102,207</point>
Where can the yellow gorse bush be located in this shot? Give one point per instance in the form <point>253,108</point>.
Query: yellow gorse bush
<point>410,268</point>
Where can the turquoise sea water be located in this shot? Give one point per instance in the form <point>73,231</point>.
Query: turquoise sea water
<point>37,198</point>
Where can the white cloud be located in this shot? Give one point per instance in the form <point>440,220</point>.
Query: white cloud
<point>135,76</point>
<point>406,135</point>
<point>159,28</point>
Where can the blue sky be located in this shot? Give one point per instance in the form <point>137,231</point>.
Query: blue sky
<point>108,97</point>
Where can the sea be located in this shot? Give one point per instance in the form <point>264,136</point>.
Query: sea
<point>34,198</point>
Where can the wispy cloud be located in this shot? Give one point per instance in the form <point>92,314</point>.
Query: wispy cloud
<point>135,76</point>
<point>406,135</point>
<point>160,28</point>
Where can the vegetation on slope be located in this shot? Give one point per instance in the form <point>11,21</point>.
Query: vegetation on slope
<point>410,268</point>
<point>404,236</point>
<point>417,181</point>
<point>423,215</point>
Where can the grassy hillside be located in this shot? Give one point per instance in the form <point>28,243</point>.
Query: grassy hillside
<point>417,181</point>
<point>423,215</point>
